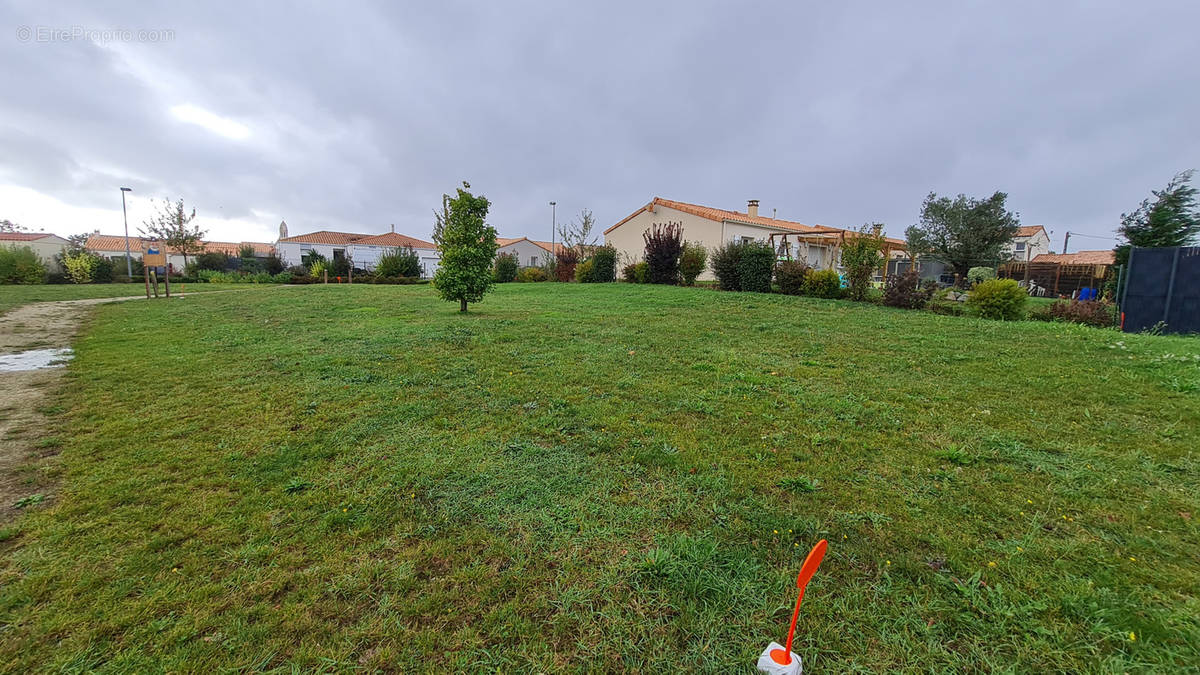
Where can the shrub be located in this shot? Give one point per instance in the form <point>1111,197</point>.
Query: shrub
<point>977,275</point>
<point>791,275</point>
<point>506,268</point>
<point>755,266</point>
<point>339,267</point>
<point>905,291</point>
<point>531,274</point>
<point>585,271</point>
<point>861,257</point>
<point>317,268</point>
<point>998,299</point>
<point>21,266</point>
<point>691,262</point>
<point>604,265</point>
<point>1087,312</point>
<point>79,266</point>
<point>636,273</point>
<point>564,268</point>
<point>726,260</point>
<point>823,284</point>
<point>398,262</point>
<point>272,264</point>
<point>212,260</point>
<point>102,273</point>
<point>664,244</point>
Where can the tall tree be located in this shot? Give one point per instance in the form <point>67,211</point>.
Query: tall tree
<point>9,226</point>
<point>468,246</point>
<point>1171,219</point>
<point>172,225</point>
<point>578,234</point>
<point>963,232</point>
<point>862,254</point>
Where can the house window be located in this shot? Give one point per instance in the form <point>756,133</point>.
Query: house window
<point>1020,247</point>
<point>747,240</point>
<point>533,261</point>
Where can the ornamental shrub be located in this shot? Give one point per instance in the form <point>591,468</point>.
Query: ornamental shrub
<point>564,268</point>
<point>79,266</point>
<point>211,260</point>
<point>1002,299</point>
<point>1088,312</point>
<point>399,262</point>
<point>726,261</point>
<point>861,256</point>
<point>664,245</point>
<point>636,273</point>
<point>531,274</point>
<point>691,262</point>
<point>585,271</point>
<point>21,265</point>
<point>756,266</point>
<point>791,274</point>
<point>976,275</point>
<point>905,291</point>
<point>823,284</point>
<point>604,265</point>
<point>506,268</point>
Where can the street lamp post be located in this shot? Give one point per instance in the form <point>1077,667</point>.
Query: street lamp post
<point>128,258</point>
<point>553,227</point>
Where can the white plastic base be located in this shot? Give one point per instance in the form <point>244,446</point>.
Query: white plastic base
<point>767,664</point>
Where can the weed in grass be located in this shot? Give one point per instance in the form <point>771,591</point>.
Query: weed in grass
<point>29,500</point>
<point>954,455</point>
<point>800,484</point>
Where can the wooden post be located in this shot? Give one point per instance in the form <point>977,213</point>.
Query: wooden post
<point>146,276</point>
<point>167,280</point>
<point>1057,272</point>
<point>325,275</point>
<point>154,278</point>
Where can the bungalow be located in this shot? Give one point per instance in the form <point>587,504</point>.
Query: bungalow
<point>47,246</point>
<point>1030,242</point>
<point>529,253</point>
<point>363,250</point>
<point>113,246</point>
<point>817,245</point>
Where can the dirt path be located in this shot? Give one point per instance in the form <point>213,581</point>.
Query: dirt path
<point>25,393</point>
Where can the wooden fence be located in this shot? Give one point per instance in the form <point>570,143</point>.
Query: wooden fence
<point>1055,279</point>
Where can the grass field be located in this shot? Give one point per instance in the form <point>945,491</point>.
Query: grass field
<point>607,477</point>
<point>16,295</point>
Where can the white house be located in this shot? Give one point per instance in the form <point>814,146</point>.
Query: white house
<point>1030,242</point>
<point>364,250</point>
<point>529,253</point>
<point>44,244</point>
<point>113,246</point>
<point>819,246</point>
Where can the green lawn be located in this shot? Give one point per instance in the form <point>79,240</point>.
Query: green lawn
<point>15,295</point>
<point>608,477</point>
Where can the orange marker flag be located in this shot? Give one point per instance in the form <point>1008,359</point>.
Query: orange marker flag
<point>784,656</point>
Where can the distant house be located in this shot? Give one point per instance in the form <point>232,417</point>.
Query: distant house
<point>47,246</point>
<point>1030,242</point>
<point>364,250</point>
<point>819,246</point>
<point>113,246</point>
<point>529,253</point>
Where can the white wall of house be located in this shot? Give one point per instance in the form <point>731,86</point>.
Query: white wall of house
<point>367,257</point>
<point>45,248</point>
<point>1028,248</point>
<point>528,253</point>
<point>292,252</point>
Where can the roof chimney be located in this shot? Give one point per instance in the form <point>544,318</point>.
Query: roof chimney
<point>393,228</point>
<point>752,208</point>
<point>877,228</point>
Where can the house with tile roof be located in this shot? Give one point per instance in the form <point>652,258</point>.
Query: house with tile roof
<point>818,245</point>
<point>363,250</point>
<point>529,252</point>
<point>1030,242</point>
<point>47,246</point>
<point>113,246</point>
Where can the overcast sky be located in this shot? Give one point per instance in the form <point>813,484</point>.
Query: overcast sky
<point>356,115</point>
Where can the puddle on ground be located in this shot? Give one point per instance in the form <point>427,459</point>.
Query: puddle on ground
<point>34,359</point>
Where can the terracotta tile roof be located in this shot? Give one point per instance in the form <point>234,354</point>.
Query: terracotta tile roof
<point>393,239</point>
<point>721,215</point>
<point>325,237</point>
<point>24,236</point>
<point>1030,230</point>
<point>1078,258</point>
<point>505,241</point>
<point>115,243</point>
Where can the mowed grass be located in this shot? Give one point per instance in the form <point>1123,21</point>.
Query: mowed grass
<point>610,477</point>
<point>16,295</point>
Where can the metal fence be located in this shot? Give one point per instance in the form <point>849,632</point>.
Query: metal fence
<point>1162,285</point>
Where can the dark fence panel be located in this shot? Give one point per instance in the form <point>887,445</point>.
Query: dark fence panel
<point>1163,285</point>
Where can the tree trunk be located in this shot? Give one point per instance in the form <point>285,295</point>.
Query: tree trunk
<point>463,306</point>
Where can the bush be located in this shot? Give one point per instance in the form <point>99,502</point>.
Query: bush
<point>637,273</point>
<point>79,266</point>
<point>791,275</point>
<point>905,291</point>
<point>212,260</point>
<point>317,268</point>
<point>664,244</point>
<point>691,262</point>
<point>861,257</point>
<point>272,264</point>
<point>564,267</point>
<point>102,273</point>
<point>726,262</point>
<point>21,266</point>
<point>398,262</point>
<point>755,267</point>
<point>1088,312</point>
<point>998,299</point>
<point>823,284</point>
<point>339,267</point>
<point>506,268</point>
<point>604,265</point>
<point>531,274</point>
<point>585,271</point>
<point>977,275</point>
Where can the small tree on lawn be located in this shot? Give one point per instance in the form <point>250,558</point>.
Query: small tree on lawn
<point>468,246</point>
<point>578,234</point>
<point>1172,219</point>
<point>664,244</point>
<point>172,225</point>
<point>506,268</point>
<point>861,257</point>
<point>963,232</point>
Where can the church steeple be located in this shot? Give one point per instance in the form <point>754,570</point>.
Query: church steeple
<point>283,229</point>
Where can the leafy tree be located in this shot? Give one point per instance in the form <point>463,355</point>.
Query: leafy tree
<point>664,244</point>
<point>506,268</point>
<point>172,225</point>
<point>212,260</point>
<point>1171,219</point>
<point>468,246</point>
<point>7,225</point>
<point>861,256</point>
<point>20,265</point>
<point>578,235</point>
<point>963,232</point>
